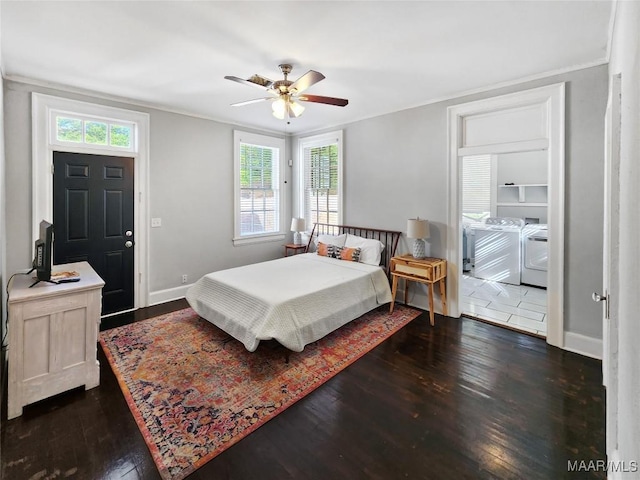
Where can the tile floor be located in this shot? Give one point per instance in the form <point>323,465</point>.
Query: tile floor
<point>521,307</point>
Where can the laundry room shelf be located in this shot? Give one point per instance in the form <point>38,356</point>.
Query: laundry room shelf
<point>529,193</point>
<point>519,204</point>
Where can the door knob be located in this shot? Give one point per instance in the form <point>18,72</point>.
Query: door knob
<point>602,298</point>
<point>128,233</point>
<point>128,244</point>
<point>596,297</point>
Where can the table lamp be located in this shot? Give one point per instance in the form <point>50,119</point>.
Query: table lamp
<point>297,226</point>
<point>418,229</point>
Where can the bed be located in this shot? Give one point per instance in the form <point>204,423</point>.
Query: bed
<point>299,299</point>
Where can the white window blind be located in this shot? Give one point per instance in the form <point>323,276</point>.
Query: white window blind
<point>258,178</point>
<point>259,194</point>
<point>321,186</point>
<point>476,184</point>
<point>321,179</point>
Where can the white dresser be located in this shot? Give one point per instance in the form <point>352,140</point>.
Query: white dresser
<point>53,335</point>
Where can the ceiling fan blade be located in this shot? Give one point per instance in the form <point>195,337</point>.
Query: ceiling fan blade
<point>305,81</point>
<point>254,81</point>
<point>339,102</point>
<point>248,102</point>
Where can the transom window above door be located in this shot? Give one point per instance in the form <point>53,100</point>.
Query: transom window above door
<point>71,129</point>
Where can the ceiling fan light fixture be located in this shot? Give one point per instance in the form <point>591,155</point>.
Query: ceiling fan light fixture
<point>286,94</point>
<point>279,108</point>
<point>296,108</point>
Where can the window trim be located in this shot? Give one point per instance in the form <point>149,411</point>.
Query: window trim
<point>320,140</point>
<point>239,137</point>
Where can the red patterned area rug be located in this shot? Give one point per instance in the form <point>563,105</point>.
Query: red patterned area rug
<point>194,391</point>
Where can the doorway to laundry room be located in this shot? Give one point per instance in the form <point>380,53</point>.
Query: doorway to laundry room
<point>513,130</point>
<point>504,239</point>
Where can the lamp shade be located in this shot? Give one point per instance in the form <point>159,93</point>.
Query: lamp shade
<point>279,108</point>
<point>297,225</point>
<point>417,228</point>
<point>296,108</point>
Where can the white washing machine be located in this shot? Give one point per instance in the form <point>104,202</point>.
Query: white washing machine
<point>498,250</point>
<point>535,255</point>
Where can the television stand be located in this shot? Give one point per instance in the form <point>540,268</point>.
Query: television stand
<point>53,337</point>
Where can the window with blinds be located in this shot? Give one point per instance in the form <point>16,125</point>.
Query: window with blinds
<point>476,187</point>
<point>258,196</point>
<point>258,193</point>
<point>321,178</point>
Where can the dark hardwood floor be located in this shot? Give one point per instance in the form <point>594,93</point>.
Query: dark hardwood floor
<point>462,400</point>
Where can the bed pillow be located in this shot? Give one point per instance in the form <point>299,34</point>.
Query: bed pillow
<point>337,240</point>
<point>328,250</point>
<point>370,249</point>
<point>349,254</point>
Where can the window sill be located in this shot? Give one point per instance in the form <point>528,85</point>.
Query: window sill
<point>273,237</point>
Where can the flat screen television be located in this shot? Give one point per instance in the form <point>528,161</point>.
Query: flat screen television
<point>43,253</point>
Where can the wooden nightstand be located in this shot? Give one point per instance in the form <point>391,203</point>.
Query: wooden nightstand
<point>424,270</point>
<point>295,247</point>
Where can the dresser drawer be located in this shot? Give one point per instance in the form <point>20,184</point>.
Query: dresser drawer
<point>420,271</point>
<point>429,269</point>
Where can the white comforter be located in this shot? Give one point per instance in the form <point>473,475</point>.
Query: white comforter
<point>295,300</point>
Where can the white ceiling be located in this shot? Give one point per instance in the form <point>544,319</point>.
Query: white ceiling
<point>383,56</point>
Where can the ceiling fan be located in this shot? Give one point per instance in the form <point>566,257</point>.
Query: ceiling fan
<point>286,94</point>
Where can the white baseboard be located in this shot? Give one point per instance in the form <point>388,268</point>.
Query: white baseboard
<point>163,296</point>
<point>587,346</point>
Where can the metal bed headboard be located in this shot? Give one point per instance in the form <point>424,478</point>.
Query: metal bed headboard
<point>388,237</point>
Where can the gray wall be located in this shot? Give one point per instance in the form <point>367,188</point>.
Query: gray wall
<point>190,188</point>
<point>396,168</point>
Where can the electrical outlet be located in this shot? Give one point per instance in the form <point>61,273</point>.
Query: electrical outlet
<point>184,278</point>
<point>156,222</point>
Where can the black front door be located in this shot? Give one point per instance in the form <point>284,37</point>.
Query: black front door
<point>93,220</point>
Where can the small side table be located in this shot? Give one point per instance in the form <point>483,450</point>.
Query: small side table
<point>424,270</point>
<point>295,247</point>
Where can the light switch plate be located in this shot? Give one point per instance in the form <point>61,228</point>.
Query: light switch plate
<point>156,222</point>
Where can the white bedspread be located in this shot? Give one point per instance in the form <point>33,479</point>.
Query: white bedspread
<point>295,300</point>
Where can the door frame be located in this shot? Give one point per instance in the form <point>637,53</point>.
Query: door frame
<point>611,261</point>
<point>553,97</point>
<point>42,171</point>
